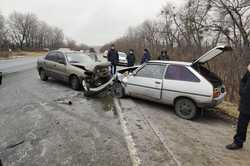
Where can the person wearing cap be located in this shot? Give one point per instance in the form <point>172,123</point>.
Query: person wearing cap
<point>146,56</point>
<point>244,116</point>
<point>113,58</point>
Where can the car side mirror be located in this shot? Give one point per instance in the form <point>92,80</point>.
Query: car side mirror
<point>61,61</point>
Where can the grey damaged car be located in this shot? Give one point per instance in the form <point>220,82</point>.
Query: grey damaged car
<point>81,71</point>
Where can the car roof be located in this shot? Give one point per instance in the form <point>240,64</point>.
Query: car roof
<point>172,62</point>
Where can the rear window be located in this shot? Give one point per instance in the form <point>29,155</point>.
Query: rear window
<point>180,73</point>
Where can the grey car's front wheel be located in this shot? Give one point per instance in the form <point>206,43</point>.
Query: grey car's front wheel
<point>185,108</point>
<point>43,75</point>
<point>75,83</point>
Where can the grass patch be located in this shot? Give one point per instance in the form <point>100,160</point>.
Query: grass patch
<point>229,109</point>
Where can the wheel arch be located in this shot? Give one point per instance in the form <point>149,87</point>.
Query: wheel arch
<point>185,97</point>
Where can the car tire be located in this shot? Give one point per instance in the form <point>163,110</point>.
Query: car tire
<point>43,75</point>
<point>118,90</point>
<point>185,108</point>
<point>75,83</point>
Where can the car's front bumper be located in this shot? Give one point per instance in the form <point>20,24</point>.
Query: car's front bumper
<point>99,88</point>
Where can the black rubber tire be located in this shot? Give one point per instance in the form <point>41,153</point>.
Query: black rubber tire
<point>43,75</point>
<point>118,90</point>
<point>75,83</point>
<point>185,108</point>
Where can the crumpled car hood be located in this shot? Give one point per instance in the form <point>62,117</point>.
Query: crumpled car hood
<point>92,66</point>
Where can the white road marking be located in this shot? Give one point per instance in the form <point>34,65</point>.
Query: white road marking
<point>162,139</point>
<point>136,161</point>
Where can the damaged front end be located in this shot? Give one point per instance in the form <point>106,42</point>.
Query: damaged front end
<point>97,79</point>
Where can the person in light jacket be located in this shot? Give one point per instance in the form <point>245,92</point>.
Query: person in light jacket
<point>244,116</point>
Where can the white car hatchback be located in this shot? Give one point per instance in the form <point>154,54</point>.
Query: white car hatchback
<point>187,86</point>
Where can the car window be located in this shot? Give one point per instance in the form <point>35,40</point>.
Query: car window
<point>181,73</point>
<point>76,57</point>
<point>152,71</point>
<point>51,56</point>
<point>60,57</point>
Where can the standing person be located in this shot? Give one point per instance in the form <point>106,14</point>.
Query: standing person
<point>113,58</point>
<point>164,55</point>
<point>146,56</point>
<point>244,116</point>
<point>131,58</point>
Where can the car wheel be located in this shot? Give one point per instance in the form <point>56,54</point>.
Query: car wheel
<point>118,90</point>
<point>185,108</point>
<point>75,83</point>
<point>43,75</point>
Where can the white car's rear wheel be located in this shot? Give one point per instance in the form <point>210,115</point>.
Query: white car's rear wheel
<point>185,108</point>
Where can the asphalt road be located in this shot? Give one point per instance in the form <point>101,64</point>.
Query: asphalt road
<point>38,128</point>
<point>18,64</point>
<point>160,138</point>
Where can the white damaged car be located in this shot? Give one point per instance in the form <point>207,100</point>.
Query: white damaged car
<point>187,86</point>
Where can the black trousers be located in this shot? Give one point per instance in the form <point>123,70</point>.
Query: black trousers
<point>242,125</point>
<point>113,69</point>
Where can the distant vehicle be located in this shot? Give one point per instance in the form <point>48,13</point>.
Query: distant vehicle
<point>74,67</point>
<point>64,49</point>
<point>186,86</point>
<point>122,59</point>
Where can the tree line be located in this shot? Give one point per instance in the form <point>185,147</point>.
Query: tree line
<point>25,31</point>
<point>192,29</point>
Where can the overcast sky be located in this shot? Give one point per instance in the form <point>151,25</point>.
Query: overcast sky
<point>94,22</point>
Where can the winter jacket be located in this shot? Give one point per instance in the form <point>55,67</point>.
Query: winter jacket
<point>145,58</point>
<point>131,59</point>
<point>164,56</point>
<point>113,57</point>
<point>245,94</point>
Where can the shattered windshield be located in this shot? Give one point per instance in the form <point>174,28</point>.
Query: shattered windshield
<point>79,58</point>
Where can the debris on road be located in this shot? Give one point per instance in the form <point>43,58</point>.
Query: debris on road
<point>64,101</point>
<point>14,145</point>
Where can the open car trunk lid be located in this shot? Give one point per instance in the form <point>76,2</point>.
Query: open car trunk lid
<point>212,54</point>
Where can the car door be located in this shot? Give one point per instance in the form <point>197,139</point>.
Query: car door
<point>60,67</point>
<point>179,81</point>
<point>49,63</point>
<point>147,82</point>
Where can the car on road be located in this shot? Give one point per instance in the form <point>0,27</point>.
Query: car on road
<point>75,68</point>
<point>187,86</point>
<point>122,61</point>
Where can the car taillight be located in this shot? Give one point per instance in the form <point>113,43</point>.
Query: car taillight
<point>216,93</point>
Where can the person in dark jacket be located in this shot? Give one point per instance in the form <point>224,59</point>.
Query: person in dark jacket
<point>131,58</point>
<point>146,56</point>
<point>164,56</point>
<point>113,58</point>
<point>244,117</point>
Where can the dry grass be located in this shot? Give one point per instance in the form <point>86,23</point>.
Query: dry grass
<point>16,54</point>
<point>229,109</point>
